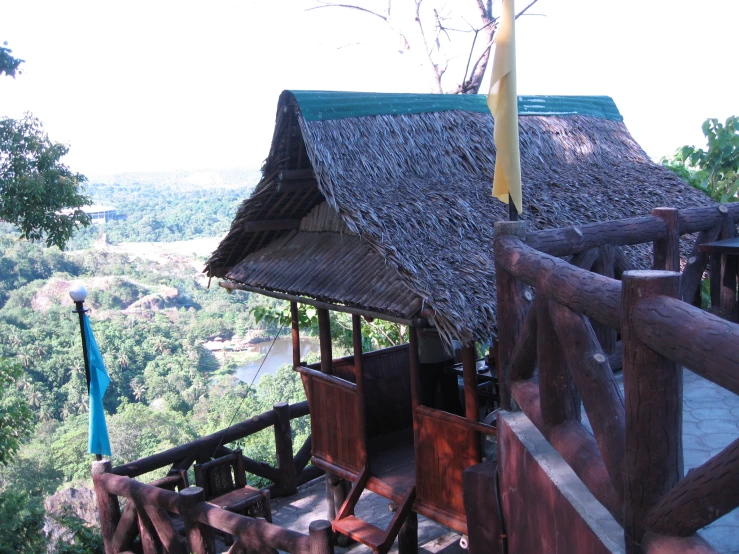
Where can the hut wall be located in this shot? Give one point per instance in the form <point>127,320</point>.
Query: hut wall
<point>546,507</point>
<point>387,388</point>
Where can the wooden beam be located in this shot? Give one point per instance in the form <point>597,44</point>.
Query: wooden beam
<point>296,174</point>
<point>704,495</point>
<point>415,322</point>
<point>512,304</point>
<point>601,396</point>
<point>653,401</point>
<point>667,249</point>
<point>523,359</point>
<point>271,225</point>
<point>696,264</point>
<point>558,396</point>
<point>295,323</point>
<point>324,335</point>
<point>605,265</point>
<point>590,294</point>
<point>297,185</point>
<point>703,342</point>
<point>359,381</point>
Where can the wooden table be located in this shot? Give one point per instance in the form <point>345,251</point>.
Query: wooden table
<point>724,265</point>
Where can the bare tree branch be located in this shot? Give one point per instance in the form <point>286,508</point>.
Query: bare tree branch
<point>351,7</point>
<point>523,11</point>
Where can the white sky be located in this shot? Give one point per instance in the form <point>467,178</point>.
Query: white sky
<point>162,85</point>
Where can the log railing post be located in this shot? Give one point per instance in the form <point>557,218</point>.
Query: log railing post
<point>606,265</point>
<point>558,395</point>
<point>284,446</point>
<point>321,537</point>
<point>727,296</point>
<point>653,405</point>
<point>295,321</point>
<point>200,539</point>
<point>667,250</point>
<point>511,307</point>
<point>108,507</point>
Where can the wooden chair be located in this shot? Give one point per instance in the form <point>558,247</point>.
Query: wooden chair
<point>224,483</point>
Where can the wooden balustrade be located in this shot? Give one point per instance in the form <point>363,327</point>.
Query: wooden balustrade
<point>559,340</point>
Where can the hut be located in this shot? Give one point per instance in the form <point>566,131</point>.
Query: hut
<point>379,205</point>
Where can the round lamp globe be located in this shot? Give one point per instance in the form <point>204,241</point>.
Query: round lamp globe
<point>78,292</point>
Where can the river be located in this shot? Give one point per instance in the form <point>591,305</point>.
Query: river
<point>281,353</point>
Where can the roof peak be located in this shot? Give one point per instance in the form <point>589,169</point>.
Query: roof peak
<point>316,105</point>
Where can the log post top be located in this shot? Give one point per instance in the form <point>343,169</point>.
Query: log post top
<point>511,229</point>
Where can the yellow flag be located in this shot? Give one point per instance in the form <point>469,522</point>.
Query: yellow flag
<point>503,104</point>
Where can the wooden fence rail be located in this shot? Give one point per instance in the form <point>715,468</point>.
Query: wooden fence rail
<point>148,512</point>
<point>155,509</point>
<point>560,348</point>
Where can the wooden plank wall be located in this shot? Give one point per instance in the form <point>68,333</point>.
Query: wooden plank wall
<point>447,446</point>
<point>334,424</point>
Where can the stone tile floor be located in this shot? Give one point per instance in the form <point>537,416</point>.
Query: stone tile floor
<point>710,423</point>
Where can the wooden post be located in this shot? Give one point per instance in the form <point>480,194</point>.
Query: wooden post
<point>408,535</point>
<point>511,308</point>
<point>149,538</point>
<point>296,333</point>
<point>606,265</point>
<point>667,250</point>
<point>199,537</point>
<point>284,445</point>
<point>321,537</point>
<point>653,401</point>
<point>324,334</point>
<point>469,372</point>
<point>359,380</point>
<point>559,398</point>
<point>108,507</point>
<point>727,295</point>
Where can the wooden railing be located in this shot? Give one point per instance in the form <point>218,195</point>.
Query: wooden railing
<point>149,507</point>
<point>632,459</point>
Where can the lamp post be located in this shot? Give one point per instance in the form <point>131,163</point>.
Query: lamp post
<point>78,293</point>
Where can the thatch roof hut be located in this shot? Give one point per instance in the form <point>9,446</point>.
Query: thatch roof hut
<point>382,202</point>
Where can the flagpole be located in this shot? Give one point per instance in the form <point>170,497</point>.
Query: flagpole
<point>78,293</point>
<point>512,211</point>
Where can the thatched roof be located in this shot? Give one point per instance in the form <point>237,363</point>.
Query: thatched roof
<point>393,209</point>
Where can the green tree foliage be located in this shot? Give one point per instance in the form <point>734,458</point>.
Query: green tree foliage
<point>714,170</point>
<point>15,416</point>
<point>8,63</point>
<point>38,193</point>
<point>21,521</point>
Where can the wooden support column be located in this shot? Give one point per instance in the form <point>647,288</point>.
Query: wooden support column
<point>415,371</point>
<point>199,536</point>
<point>359,380</point>
<point>667,250</point>
<point>653,404</point>
<point>284,446</point>
<point>469,373</point>
<point>108,507</point>
<point>511,307</point>
<point>296,333</point>
<point>324,334</point>
<point>558,396</point>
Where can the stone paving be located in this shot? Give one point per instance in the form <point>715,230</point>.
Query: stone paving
<point>297,512</point>
<point>710,423</point>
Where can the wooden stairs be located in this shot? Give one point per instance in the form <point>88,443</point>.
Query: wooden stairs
<point>377,539</point>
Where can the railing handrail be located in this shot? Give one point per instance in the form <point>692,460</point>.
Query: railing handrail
<point>240,430</point>
<point>570,240</point>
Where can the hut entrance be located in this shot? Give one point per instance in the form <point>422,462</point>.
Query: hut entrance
<point>370,429</point>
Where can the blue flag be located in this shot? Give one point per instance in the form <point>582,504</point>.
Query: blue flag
<point>98,434</point>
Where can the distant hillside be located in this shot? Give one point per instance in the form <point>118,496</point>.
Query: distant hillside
<point>186,180</point>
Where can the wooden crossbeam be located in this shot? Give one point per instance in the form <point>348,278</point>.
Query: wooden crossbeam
<point>271,225</point>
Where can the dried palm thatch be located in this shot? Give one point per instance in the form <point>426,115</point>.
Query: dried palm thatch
<point>416,189</point>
